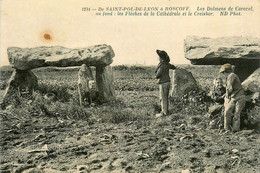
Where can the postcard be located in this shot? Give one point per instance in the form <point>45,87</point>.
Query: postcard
<point>90,96</point>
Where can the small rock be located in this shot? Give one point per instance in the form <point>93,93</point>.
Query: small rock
<point>220,170</point>
<point>196,150</point>
<point>128,168</point>
<point>19,125</point>
<point>206,153</point>
<point>165,166</point>
<point>194,135</point>
<point>147,131</point>
<point>29,102</point>
<point>213,124</point>
<point>60,121</point>
<point>40,136</point>
<point>234,157</point>
<point>82,168</point>
<point>182,127</point>
<point>235,151</point>
<point>34,170</point>
<point>49,97</point>
<point>120,163</point>
<point>45,148</point>
<point>24,167</point>
<point>185,171</point>
<point>255,97</point>
<point>184,137</point>
<point>50,170</point>
<point>9,107</point>
<point>142,156</point>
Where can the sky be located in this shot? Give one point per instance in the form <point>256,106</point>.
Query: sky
<point>134,39</point>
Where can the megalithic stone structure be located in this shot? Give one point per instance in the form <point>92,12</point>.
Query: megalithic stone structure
<point>252,83</point>
<point>100,56</point>
<point>30,58</point>
<point>21,82</point>
<point>182,83</point>
<point>105,82</point>
<point>243,52</point>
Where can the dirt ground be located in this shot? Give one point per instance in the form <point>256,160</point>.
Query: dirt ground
<point>176,143</point>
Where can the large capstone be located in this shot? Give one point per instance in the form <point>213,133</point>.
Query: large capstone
<point>243,52</point>
<point>29,58</point>
<point>182,83</point>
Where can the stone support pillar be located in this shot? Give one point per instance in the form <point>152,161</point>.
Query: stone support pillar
<point>105,82</point>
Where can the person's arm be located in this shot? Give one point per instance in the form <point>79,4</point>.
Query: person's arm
<point>213,94</point>
<point>229,88</point>
<point>159,72</point>
<point>172,67</point>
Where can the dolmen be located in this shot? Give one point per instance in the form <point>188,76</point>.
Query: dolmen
<point>23,60</point>
<point>242,52</point>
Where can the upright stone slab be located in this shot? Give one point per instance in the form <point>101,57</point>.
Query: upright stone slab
<point>243,52</point>
<point>22,82</point>
<point>252,83</point>
<point>105,85</point>
<point>252,86</point>
<point>182,83</point>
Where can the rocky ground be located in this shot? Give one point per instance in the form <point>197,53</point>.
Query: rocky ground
<point>176,143</point>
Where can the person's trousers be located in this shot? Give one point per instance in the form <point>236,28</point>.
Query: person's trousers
<point>164,94</point>
<point>233,105</point>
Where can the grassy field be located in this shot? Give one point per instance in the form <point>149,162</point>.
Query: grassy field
<point>136,92</point>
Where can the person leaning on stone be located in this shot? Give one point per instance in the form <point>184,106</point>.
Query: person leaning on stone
<point>217,94</point>
<point>234,99</point>
<point>218,91</point>
<point>162,73</point>
<point>85,82</point>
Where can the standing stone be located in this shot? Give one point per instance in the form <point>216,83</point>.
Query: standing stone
<point>252,86</point>
<point>252,83</point>
<point>182,83</point>
<point>21,82</point>
<point>105,85</point>
<point>84,77</point>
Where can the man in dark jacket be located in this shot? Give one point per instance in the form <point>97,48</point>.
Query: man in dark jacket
<point>162,73</point>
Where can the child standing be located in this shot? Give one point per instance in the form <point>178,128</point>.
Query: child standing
<point>162,73</point>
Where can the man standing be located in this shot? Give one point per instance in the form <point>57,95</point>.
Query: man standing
<point>234,99</point>
<point>162,73</point>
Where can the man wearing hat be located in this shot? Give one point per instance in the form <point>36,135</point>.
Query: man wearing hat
<point>234,99</point>
<point>162,73</point>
